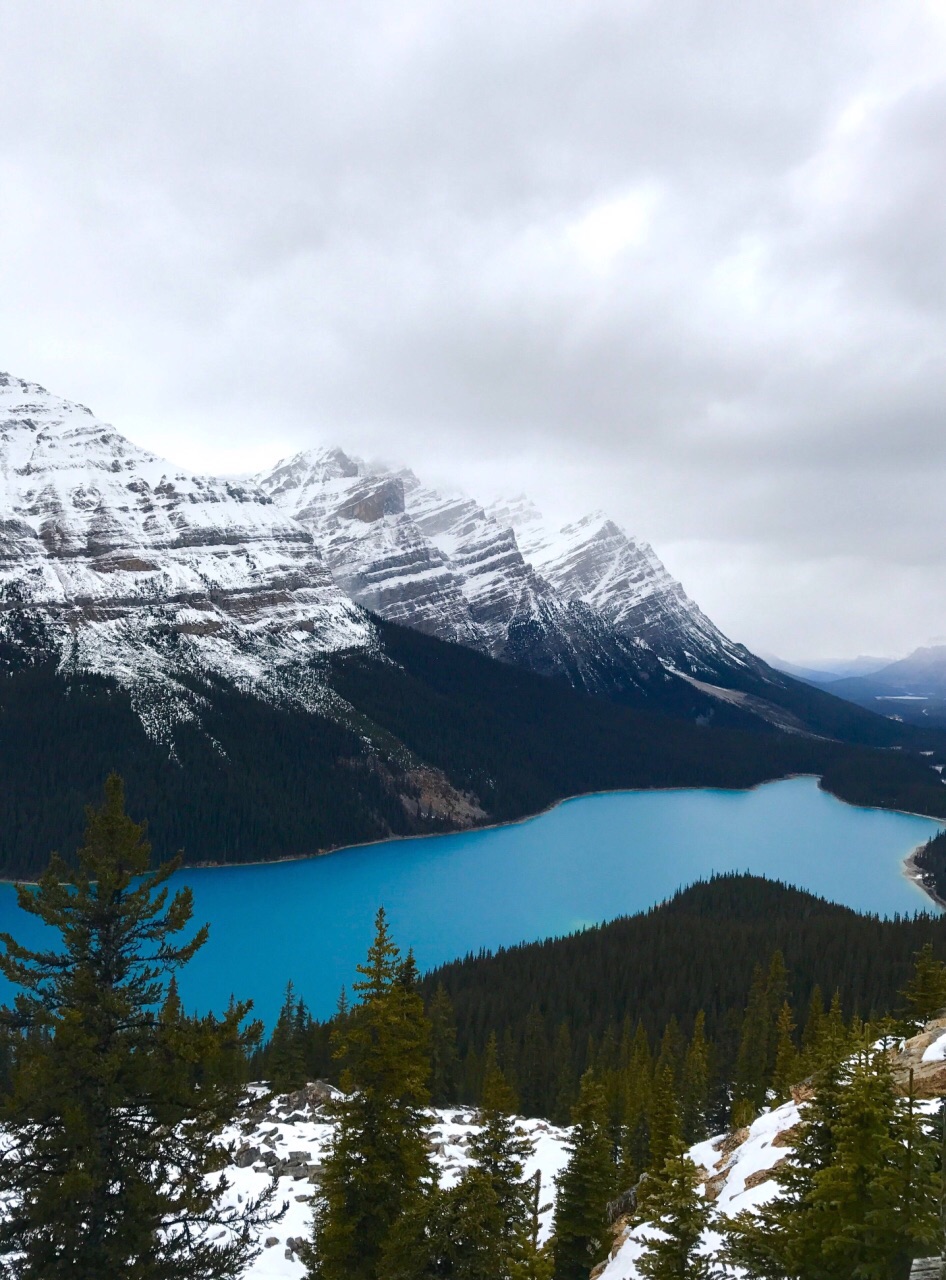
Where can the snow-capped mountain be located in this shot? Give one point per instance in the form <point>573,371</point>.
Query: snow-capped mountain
<point>587,602</point>
<point>127,566</point>
<point>165,582</point>
<point>211,639</point>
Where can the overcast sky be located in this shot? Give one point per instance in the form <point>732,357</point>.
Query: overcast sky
<point>683,261</point>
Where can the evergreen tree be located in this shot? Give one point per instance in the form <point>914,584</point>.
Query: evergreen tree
<point>775,1243</point>
<point>497,1093</point>
<point>585,1185</point>
<point>857,1195</point>
<point>776,995</point>
<point>671,1049</point>
<point>111,1160</point>
<point>813,1034</point>
<point>786,1071</point>
<point>925,993</point>
<point>493,1204</point>
<point>638,1096</point>
<point>480,1229</point>
<point>696,1084</point>
<point>751,1075</point>
<point>672,1203</point>
<point>664,1124</point>
<point>874,1204</point>
<point>378,1170</point>
<point>444,1060</point>
<point>284,1056</point>
<point>564,1076</point>
<point>835,1038</point>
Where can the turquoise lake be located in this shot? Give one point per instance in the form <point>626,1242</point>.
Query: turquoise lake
<point>584,862</point>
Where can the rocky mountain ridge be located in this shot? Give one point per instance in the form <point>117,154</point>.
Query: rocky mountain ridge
<point>586,602</point>
<point>173,586</point>
<point>124,565</point>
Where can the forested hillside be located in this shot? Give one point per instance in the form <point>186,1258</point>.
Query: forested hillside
<point>422,736</point>
<point>723,955</point>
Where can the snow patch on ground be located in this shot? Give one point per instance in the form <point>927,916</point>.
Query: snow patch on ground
<point>292,1135</point>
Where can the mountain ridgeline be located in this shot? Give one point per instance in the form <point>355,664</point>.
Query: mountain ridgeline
<point>330,654</point>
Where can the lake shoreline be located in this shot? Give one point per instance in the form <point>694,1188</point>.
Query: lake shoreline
<point>918,877</point>
<point>576,865</point>
<point>909,869</point>
<point>497,826</point>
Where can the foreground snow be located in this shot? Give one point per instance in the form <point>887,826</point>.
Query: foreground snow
<point>291,1136</point>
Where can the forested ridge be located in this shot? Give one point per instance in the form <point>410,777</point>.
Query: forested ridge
<point>255,780</point>
<point>556,1008</point>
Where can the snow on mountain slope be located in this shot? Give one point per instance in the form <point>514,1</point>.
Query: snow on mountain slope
<point>739,1165</point>
<point>134,569</point>
<point>446,565</point>
<point>289,1136</point>
<point>373,547</point>
<point>623,580</point>
<point>122,564</point>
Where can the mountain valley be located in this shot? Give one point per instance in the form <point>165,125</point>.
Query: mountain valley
<point>330,653</point>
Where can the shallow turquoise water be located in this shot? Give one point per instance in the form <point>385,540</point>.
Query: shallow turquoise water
<point>586,861</point>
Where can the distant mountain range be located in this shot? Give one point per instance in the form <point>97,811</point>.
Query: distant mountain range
<point>912,689</point>
<point>834,669</point>
<point>143,599</point>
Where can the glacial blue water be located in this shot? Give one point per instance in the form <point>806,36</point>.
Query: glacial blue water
<point>586,861</point>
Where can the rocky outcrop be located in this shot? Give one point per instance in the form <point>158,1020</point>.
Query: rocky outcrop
<point>923,1055</point>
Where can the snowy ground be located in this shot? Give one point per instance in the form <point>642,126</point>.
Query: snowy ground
<point>291,1135</point>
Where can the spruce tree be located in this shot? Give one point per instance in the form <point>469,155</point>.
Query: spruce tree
<point>664,1126</point>
<point>751,1075</point>
<point>533,1064</point>
<point>638,1094</point>
<point>813,1033</point>
<point>776,995</point>
<point>925,993</point>
<point>491,1228</point>
<point>378,1169</point>
<point>786,1070</point>
<point>857,1195</point>
<point>777,1241</point>
<point>564,1076</point>
<point>111,1168</point>
<point>444,1060</point>
<point>696,1084</point>
<point>497,1093</point>
<point>284,1056</point>
<point>835,1037</point>
<point>585,1185</point>
<point>874,1205</point>
<point>672,1204</point>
